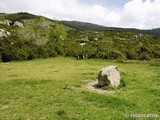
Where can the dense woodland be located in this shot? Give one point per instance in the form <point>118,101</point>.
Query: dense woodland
<point>43,38</point>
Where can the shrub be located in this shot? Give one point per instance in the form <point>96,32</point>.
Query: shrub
<point>131,54</point>
<point>114,54</point>
<point>145,56</point>
<point>57,33</point>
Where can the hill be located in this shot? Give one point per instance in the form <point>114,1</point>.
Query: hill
<point>26,36</point>
<point>84,26</point>
<point>95,27</point>
<point>34,28</point>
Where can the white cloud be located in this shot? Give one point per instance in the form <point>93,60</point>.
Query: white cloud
<point>142,14</point>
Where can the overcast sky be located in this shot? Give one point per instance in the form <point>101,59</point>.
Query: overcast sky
<point>142,14</point>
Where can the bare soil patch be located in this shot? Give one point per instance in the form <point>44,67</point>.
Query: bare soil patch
<point>92,86</point>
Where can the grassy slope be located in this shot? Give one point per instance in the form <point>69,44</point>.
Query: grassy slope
<point>36,28</point>
<point>54,89</point>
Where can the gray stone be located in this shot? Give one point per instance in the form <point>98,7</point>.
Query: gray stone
<point>109,76</point>
<point>6,22</point>
<point>19,24</point>
<point>1,22</point>
<point>4,33</point>
<point>82,44</point>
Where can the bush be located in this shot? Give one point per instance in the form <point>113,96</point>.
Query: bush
<point>114,55</point>
<point>12,48</point>
<point>131,54</point>
<point>57,33</point>
<point>145,56</point>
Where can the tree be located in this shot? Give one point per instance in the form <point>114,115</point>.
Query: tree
<point>57,33</point>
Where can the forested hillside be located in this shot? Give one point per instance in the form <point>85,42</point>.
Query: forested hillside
<point>24,36</point>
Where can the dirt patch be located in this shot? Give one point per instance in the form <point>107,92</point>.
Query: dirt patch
<point>92,86</point>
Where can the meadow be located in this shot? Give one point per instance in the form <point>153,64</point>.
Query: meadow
<point>55,89</point>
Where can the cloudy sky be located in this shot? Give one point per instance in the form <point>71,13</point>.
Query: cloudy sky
<point>142,14</point>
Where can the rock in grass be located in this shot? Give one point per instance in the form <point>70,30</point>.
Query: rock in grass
<point>6,22</point>
<point>109,76</point>
<point>19,24</point>
<point>4,33</point>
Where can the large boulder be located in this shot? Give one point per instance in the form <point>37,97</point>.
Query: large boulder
<point>109,76</point>
<point>19,24</point>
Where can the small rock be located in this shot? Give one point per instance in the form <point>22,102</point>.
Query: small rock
<point>4,33</point>
<point>6,22</point>
<point>25,21</point>
<point>109,76</point>
<point>82,44</point>
<point>8,33</point>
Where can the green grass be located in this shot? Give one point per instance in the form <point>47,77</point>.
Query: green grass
<point>55,89</point>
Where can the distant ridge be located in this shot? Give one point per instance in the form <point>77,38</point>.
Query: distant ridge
<point>84,26</point>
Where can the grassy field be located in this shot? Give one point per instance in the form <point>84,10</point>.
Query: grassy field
<point>55,89</point>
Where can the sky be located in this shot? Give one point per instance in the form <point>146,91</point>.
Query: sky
<point>141,14</point>
<point>106,3</point>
